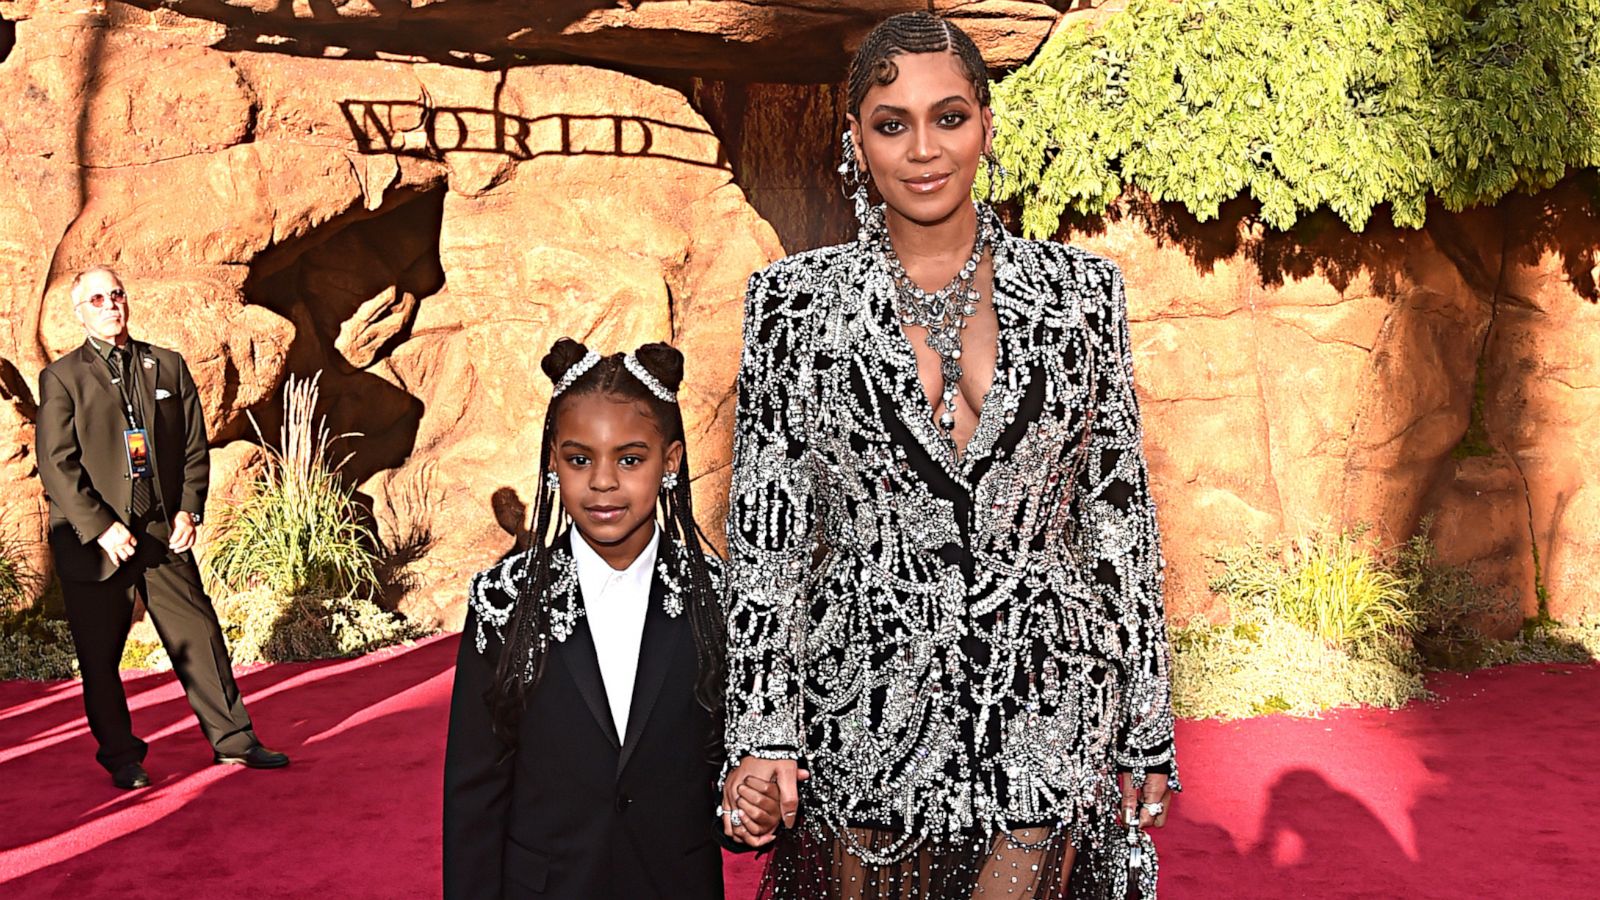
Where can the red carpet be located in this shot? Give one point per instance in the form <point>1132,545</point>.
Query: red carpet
<point>1487,794</point>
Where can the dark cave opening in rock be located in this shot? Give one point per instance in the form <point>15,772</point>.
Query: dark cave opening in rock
<point>353,287</point>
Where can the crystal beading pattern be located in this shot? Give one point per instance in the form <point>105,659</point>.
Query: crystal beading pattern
<point>589,361</point>
<point>492,593</point>
<point>651,383</point>
<point>958,645</point>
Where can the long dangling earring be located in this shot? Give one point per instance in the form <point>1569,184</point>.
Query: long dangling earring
<point>853,182</point>
<point>997,175</point>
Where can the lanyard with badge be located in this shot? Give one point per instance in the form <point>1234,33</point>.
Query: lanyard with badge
<point>135,440</point>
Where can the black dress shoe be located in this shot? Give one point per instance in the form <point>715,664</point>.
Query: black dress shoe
<point>131,776</point>
<point>257,757</point>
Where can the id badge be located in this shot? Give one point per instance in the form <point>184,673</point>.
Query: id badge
<point>137,443</point>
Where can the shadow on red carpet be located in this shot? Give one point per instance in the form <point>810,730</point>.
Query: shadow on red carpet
<point>1461,798</point>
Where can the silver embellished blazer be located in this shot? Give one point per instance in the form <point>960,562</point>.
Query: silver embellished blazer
<point>954,643</point>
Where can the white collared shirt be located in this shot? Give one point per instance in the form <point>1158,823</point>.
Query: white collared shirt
<point>615,602</point>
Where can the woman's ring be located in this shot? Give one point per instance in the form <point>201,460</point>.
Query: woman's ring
<point>720,811</point>
<point>736,818</point>
<point>1154,809</point>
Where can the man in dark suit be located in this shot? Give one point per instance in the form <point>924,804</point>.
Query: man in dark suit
<point>123,456</point>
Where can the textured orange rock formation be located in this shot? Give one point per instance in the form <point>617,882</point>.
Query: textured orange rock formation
<point>283,199</point>
<point>419,233</point>
<point>753,40</point>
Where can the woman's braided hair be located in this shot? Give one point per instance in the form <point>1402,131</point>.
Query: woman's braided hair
<point>522,658</point>
<point>913,32</point>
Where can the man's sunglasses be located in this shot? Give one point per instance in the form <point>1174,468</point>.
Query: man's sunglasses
<point>101,301</point>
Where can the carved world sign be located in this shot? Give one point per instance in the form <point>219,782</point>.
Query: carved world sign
<point>418,128</point>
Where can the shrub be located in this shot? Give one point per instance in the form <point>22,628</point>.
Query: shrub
<point>1346,105</point>
<point>1259,664</point>
<point>263,625</point>
<point>1332,586</point>
<point>1450,605</point>
<point>35,646</point>
<point>296,556</point>
<point>300,531</point>
<point>1317,625</point>
<point>1546,641</point>
<point>32,644</point>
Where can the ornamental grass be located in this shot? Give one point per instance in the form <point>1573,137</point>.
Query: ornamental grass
<point>1318,624</point>
<point>1335,621</point>
<point>1333,587</point>
<point>297,563</point>
<point>300,530</point>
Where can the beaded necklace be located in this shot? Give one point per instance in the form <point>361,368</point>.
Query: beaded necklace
<point>944,312</point>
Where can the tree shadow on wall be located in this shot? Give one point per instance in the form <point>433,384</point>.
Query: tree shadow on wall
<point>1564,220</point>
<point>382,29</point>
<point>403,524</point>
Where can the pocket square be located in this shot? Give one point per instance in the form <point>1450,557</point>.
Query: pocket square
<point>162,393</point>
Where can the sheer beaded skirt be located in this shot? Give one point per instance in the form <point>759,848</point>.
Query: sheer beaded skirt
<point>812,862</point>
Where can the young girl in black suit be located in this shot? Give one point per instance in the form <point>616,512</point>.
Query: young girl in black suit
<point>586,720</point>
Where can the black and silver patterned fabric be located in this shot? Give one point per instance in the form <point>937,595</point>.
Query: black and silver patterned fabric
<point>963,646</point>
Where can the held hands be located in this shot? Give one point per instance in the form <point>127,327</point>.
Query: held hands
<point>758,796</point>
<point>1152,806</point>
<point>183,532</point>
<point>118,543</point>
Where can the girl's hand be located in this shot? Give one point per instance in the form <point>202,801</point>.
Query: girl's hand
<point>1153,802</point>
<point>760,806</point>
<point>784,775</point>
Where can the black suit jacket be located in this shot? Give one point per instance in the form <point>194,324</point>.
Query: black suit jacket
<point>82,459</point>
<point>576,812</point>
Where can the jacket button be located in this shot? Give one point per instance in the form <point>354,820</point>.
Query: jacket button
<point>623,802</point>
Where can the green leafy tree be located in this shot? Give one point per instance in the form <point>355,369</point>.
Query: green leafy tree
<point>1346,105</point>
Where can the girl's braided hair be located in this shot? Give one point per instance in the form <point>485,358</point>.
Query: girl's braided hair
<point>522,659</point>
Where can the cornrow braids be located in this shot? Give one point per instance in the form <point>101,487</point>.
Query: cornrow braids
<point>912,32</point>
<point>522,659</point>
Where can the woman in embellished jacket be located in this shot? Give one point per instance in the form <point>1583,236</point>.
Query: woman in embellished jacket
<point>945,572</point>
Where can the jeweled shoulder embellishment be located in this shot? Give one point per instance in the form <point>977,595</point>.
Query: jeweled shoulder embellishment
<point>493,596</point>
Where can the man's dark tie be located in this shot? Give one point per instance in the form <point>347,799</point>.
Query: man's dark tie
<point>144,495</point>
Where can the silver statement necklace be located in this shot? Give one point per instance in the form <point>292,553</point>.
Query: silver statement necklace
<point>944,312</point>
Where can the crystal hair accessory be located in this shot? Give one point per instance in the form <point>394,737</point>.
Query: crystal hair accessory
<point>589,361</point>
<point>648,380</point>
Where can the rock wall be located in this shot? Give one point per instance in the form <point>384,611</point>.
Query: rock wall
<point>418,233</point>
<point>290,192</point>
<point>1294,381</point>
<point>750,40</point>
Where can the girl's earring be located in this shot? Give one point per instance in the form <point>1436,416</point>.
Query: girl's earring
<point>553,482</point>
<point>853,181</point>
<point>669,482</point>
